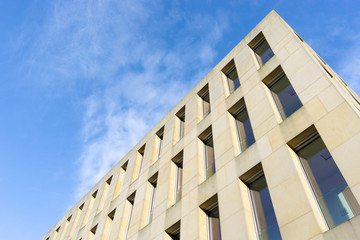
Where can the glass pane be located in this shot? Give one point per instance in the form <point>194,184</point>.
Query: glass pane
<point>266,221</point>
<point>214,224</point>
<point>245,132</point>
<point>233,80</point>
<point>285,97</point>
<point>335,199</point>
<point>264,52</point>
<point>209,161</point>
<point>206,108</point>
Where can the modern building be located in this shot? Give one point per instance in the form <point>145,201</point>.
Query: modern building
<point>266,146</point>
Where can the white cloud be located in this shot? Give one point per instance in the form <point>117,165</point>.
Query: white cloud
<point>135,62</point>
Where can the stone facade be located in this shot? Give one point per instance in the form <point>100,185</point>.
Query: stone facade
<point>152,193</point>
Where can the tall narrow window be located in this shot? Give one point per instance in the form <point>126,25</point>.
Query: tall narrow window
<point>104,195</point>
<point>153,184</point>
<point>284,95</point>
<point>261,49</point>
<point>205,100</point>
<point>120,179</point>
<point>138,163</point>
<point>108,222</point>
<point>232,77</point>
<point>211,209</point>
<point>181,123</point>
<point>209,157</point>
<point>174,231</point>
<point>56,232</point>
<point>63,231</point>
<point>243,125</point>
<point>92,233</point>
<point>74,223</point>
<point>334,197</point>
<point>128,209</point>
<point>263,210</point>
<point>178,161</point>
<point>158,141</point>
<point>89,208</point>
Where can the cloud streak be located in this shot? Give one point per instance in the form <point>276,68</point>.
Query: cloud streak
<point>130,65</point>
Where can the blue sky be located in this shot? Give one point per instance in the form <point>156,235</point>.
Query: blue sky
<point>82,81</point>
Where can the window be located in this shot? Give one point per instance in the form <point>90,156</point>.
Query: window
<point>261,49</point>
<point>89,208</point>
<point>243,125</point>
<point>174,231</point>
<point>92,232</point>
<point>67,222</point>
<point>211,209</point>
<point>232,77</point>
<point>178,161</point>
<point>263,210</point>
<point>158,141</point>
<point>107,227</point>
<point>331,190</point>
<point>128,209</point>
<point>209,157</point>
<point>153,184</point>
<point>181,123</point>
<point>284,95</point>
<point>120,179</point>
<point>104,195</point>
<point>138,163</point>
<point>74,223</point>
<point>205,100</point>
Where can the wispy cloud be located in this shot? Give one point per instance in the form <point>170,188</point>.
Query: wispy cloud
<point>131,65</point>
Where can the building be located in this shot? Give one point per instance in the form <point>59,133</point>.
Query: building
<point>266,146</point>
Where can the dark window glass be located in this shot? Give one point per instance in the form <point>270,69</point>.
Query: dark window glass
<point>213,221</point>
<point>333,194</point>
<point>233,79</point>
<point>266,221</point>
<point>209,157</point>
<point>285,96</point>
<point>263,51</point>
<point>245,132</point>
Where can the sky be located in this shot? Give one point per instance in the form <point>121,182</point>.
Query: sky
<point>82,81</point>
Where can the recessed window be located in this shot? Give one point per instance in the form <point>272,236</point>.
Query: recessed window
<point>232,77</point>
<point>120,179</point>
<point>243,126</point>
<point>263,210</point>
<point>211,209</point>
<point>209,156</point>
<point>261,49</point>
<point>153,184</point>
<point>158,141</point>
<point>178,162</point>
<point>180,116</point>
<point>127,213</point>
<point>89,208</point>
<point>104,195</point>
<point>92,232</point>
<point>205,100</point>
<point>108,222</point>
<point>284,95</point>
<point>331,190</point>
<point>138,162</point>
<point>174,231</point>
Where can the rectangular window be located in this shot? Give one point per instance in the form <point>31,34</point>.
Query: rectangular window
<point>205,100</point>
<point>232,77</point>
<point>120,179</point>
<point>138,162</point>
<point>129,205</point>
<point>89,208</point>
<point>263,210</point>
<point>108,222</point>
<point>243,125</point>
<point>158,142</point>
<point>209,156</point>
<point>284,95</point>
<point>334,197</point>
<point>153,184</point>
<point>178,161</point>
<point>211,209</point>
<point>92,233</point>
<point>174,231</point>
<point>104,195</point>
<point>261,49</point>
<point>181,122</point>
